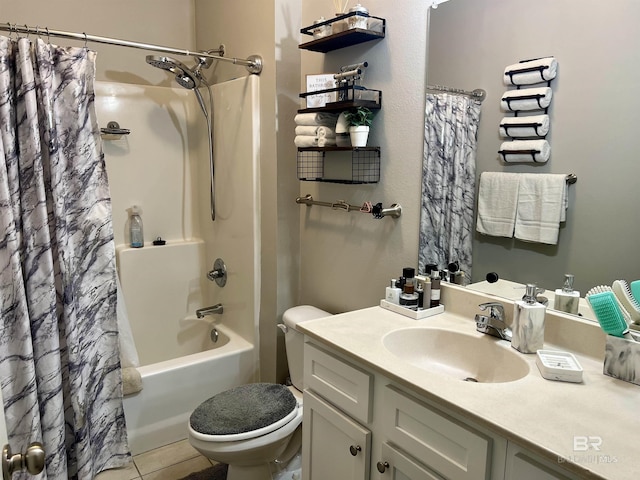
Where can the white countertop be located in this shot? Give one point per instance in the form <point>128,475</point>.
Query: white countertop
<point>541,415</point>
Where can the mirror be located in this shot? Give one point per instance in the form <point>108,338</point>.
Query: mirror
<point>595,120</point>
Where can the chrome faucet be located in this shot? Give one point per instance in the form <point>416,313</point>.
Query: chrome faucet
<point>493,324</point>
<point>213,310</point>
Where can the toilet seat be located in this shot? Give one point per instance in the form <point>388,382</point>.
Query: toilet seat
<point>243,412</point>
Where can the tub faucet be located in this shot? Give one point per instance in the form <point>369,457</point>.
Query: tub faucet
<point>494,323</point>
<point>214,310</point>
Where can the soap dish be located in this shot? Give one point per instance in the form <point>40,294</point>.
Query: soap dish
<point>562,366</point>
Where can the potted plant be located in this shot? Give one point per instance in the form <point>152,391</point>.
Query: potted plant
<point>359,119</point>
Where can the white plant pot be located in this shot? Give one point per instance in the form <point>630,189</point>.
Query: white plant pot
<point>359,136</point>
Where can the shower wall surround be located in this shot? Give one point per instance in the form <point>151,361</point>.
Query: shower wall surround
<point>163,167</point>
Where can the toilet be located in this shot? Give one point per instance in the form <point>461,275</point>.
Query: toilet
<point>250,426</point>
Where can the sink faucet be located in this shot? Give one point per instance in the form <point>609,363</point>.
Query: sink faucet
<point>494,323</point>
<point>213,310</point>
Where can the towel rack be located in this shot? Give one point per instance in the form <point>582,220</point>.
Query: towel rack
<point>394,211</point>
<point>532,152</point>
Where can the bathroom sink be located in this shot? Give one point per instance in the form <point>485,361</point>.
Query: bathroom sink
<point>482,359</point>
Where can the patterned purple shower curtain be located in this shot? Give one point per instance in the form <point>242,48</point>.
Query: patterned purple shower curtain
<point>448,181</point>
<point>59,353</point>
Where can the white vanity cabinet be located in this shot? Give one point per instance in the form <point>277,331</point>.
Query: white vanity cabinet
<point>359,425</point>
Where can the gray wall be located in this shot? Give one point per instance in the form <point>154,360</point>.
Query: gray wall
<point>595,117</point>
<point>347,259</point>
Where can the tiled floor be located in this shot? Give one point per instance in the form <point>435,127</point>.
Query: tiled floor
<point>165,463</point>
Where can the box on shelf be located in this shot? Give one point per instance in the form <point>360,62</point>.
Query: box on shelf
<point>321,82</point>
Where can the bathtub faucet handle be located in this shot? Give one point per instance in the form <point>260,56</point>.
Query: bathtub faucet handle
<point>219,273</point>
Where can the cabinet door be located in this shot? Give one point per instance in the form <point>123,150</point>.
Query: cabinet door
<point>396,465</point>
<point>333,445</point>
<point>523,465</point>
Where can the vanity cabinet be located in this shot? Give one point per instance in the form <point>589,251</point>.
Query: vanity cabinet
<point>360,425</point>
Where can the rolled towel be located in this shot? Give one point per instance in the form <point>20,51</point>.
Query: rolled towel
<point>529,151</point>
<point>530,72</point>
<point>304,141</point>
<point>522,127</point>
<point>315,131</point>
<point>526,99</point>
<point>131,381</point>
<point>316,119</point>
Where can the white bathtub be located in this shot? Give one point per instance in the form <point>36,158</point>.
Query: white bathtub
<point>158,415</point>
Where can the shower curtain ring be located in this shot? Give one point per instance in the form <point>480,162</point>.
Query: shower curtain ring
<point>38,31</point>
<point>85,40</point>
<point>28,30</point>
<point>48,37</point>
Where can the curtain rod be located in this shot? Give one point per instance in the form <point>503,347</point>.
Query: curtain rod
<point>478,94</point>
<point>253,63</point>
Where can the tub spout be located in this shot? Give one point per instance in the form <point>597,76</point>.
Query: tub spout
<point>214,310</point>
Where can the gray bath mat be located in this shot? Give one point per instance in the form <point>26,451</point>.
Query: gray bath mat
<point>217,472</point>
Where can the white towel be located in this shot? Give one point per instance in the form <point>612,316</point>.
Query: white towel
<point>316,119</point>
<point>497,202</point>
<point>547,66</point>
<point>518,151</point>
<point>542,200</point>
<point>512,100</point>
<point>304,141</point>
<point>315,131</point>
<point>515,127</point>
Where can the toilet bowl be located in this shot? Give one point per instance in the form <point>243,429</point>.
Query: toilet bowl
<point>250,426</point>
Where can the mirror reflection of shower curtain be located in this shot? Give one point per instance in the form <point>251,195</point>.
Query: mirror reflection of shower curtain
<point>448,181</point>
<point>59,355</point>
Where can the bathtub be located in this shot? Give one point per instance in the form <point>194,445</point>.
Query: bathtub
<point>158,415</point>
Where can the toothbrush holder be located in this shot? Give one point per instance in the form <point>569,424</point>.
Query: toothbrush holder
<point>622,358</point>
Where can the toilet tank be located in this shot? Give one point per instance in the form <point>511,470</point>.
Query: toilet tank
<point>294,340</point>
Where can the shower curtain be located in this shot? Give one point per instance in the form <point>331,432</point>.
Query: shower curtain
<point>448,181</point>
<point>59,356</point>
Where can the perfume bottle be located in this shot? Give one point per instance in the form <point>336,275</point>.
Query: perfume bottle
<point>528,322</point>
<point>567,299</point>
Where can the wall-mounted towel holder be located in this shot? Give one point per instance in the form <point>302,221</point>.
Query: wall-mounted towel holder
<point>113,131</point>
<point>534,125</point>
<point>531,152</point>
<point>540,69</point>
<point>537,97</point>
<point>394,211</point>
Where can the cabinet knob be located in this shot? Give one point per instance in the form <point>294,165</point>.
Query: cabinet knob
<point>354,449</point>
<point>32,461</point>
<point>382,466</point>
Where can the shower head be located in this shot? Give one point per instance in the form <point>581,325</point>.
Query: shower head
<point>184,75</point>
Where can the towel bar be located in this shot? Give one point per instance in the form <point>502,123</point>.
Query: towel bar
<point>394,211</point>
<point>531,152</point>
<point>540,69</point>
<point>534,125</point>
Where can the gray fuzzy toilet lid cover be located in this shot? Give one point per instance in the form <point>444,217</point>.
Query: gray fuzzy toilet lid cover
<point>243,409</point>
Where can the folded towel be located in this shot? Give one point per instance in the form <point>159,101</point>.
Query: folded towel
<point>526,99</point>
<point>315,131</point>
<point>497,202</point>
<point>541,207</point>
<point>522,127</point>
<point>316,119</point>
<point>518,151</point>
<point>131,381</point>
<point>303,141</point>
<point>523,74</point>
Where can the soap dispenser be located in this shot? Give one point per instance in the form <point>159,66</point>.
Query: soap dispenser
<point>528,323</point>
<point>567,299</point>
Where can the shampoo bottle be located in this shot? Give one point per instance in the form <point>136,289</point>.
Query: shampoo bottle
<point>135,228</point>
<point>567,299</point>
<point>392,293</point>
<point>528,323</point>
